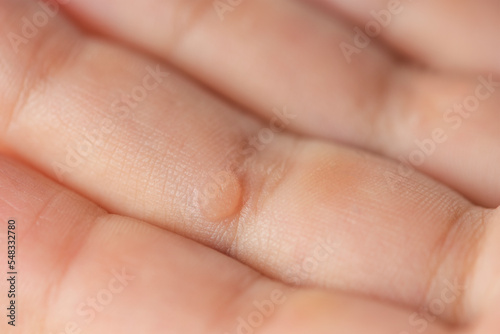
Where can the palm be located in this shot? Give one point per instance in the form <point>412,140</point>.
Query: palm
<point>148,144</point>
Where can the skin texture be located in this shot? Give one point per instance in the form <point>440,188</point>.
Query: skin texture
<point>381,101</point>
<point>225,164</point>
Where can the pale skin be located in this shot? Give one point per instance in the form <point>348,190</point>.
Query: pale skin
<point>170,172</point>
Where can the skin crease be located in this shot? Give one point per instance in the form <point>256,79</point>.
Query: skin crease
<point>407,35</point>
<point>214,208</point>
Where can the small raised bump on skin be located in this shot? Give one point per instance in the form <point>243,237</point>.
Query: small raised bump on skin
<point>221,197</point>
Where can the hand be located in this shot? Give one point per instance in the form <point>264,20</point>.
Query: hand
<point>260,150</point>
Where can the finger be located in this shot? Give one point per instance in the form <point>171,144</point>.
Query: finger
<point>180,158</point>
<point>451,35</point>
<point>416,117</point>
<point>80,269</point>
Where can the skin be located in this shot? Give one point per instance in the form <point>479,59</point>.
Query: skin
<point>218,166</point>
